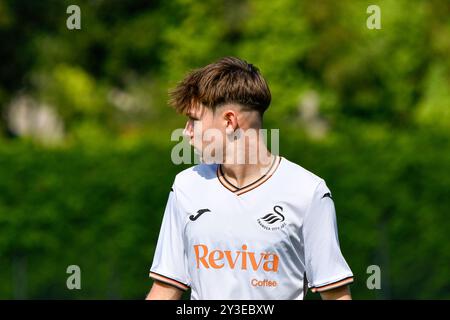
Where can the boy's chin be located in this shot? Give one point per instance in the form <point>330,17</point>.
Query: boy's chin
<point>205,159</point>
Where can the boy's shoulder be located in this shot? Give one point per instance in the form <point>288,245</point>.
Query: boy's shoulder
<point>292,171</point>
<point>196,173</point>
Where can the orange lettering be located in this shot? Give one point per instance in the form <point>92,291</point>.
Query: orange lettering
<point>212,260</point>
<point>230,260</point>
<point>216,259</point>
<point>201,259</point>
<point>253,261</point>
<point>274,263</point>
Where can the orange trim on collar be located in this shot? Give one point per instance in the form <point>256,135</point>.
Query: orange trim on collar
<point>251,186</point>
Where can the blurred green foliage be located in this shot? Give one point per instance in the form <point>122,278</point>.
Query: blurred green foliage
<point>96,198</point>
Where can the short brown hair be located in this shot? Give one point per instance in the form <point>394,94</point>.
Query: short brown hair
<point>228,80</point>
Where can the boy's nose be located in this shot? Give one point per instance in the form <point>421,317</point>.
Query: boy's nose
<point>189,129</point>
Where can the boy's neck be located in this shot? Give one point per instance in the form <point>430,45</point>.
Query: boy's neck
<point>242,174</point>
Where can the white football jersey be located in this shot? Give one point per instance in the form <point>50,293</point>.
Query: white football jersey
<point>271,239</point>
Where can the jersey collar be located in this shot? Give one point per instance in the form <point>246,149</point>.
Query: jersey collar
<point>238,191</point>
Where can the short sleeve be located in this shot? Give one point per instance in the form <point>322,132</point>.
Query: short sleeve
<point>325,265</point>
<point>169,261</point>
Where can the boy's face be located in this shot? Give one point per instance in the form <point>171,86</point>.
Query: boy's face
<point>203,128</point>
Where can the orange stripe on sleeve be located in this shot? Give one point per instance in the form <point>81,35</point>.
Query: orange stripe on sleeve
<point>169,281</point>
<point>333,285</point>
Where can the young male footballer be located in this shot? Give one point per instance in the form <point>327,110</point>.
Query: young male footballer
<point>240,229</point>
